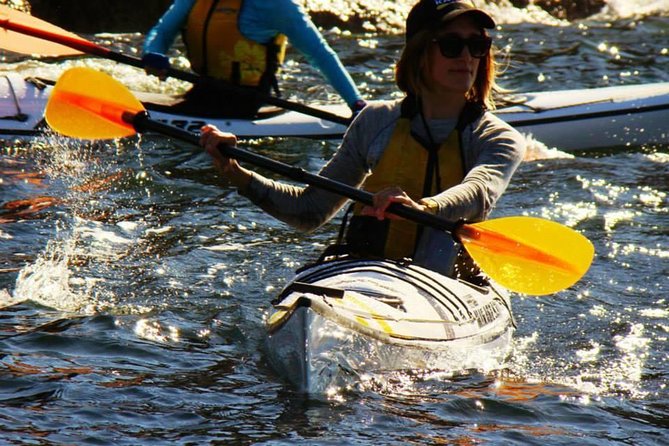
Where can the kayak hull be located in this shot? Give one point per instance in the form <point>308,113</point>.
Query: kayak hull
<point>570,120</point>
<point>338,322</point>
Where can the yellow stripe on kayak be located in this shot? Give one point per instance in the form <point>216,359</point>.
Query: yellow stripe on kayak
<point>276,317</point>
<point>374,315</point>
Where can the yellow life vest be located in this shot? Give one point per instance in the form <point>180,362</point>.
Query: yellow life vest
<point>217,48</point>
<point>404,163</point>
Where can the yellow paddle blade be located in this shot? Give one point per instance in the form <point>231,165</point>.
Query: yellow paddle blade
<point>88,104</point>
<point>21,43</point>
<point>528,255</point>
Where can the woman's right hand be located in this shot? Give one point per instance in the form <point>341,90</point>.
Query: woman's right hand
<point>211,138</point>
<point>387,196</point>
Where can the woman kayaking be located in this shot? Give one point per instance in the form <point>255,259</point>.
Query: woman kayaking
<point>242,43</point>
<point>438,150</point>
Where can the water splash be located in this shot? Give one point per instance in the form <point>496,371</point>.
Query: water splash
<point>537,150</point>
<point>589,371</point>
<point>632,9</point>
<point>60,276</point>
<point>46,281</point>
<point>505,13</point>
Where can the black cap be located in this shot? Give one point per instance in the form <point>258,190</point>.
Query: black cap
<point>430,14</point>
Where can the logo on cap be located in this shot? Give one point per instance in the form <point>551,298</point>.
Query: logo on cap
<point>440,3</point>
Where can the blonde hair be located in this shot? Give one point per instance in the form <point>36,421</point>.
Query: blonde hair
<point>411,73</point>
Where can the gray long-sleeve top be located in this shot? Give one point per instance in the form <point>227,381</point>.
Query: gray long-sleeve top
<point>492,150</point>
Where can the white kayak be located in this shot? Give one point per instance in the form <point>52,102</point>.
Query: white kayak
<point>342,320</point>
<point>596,118</point>
<point>571,120</point>
<point>22,104</point>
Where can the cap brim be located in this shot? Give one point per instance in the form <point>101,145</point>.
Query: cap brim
<point>476,14</point>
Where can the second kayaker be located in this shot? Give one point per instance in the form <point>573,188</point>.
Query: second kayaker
<point>241,43</point>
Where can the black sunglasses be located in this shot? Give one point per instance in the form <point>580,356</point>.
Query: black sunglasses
<point>451,46</point>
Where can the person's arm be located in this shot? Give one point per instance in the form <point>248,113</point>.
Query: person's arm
<point>261,19</point>
<point>159,39</point>
<point>499,151</point>
<point>308,208</point>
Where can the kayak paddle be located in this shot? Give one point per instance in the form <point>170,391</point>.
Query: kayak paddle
<point>20,24</point>
<point>527,255</point>
<point>13,38</point>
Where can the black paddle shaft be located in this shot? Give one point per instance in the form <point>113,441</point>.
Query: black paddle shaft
<point>142,123</point>
<point>251,92</point>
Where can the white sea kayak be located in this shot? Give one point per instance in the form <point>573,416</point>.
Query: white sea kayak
<point>341,320</point>
<point>22,104</point>
<point>571,120</point>
<point>596,118</point>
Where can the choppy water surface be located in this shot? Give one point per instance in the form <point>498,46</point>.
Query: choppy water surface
<point>134,287</point>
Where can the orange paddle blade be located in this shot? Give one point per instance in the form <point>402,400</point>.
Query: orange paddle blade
<point>528,255</point>
<point>12,39</point>
<point>88,104</point>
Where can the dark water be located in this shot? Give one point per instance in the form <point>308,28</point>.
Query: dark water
<point>134,291</point>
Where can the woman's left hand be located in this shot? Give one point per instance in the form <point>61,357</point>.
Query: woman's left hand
<point>211,138</point>
<point>384,198</point>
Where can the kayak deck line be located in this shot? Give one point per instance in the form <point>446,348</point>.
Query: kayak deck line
<point>485,314</point>
<point>453,303</point>
<point>305,287</point>
<point>594,115</point>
